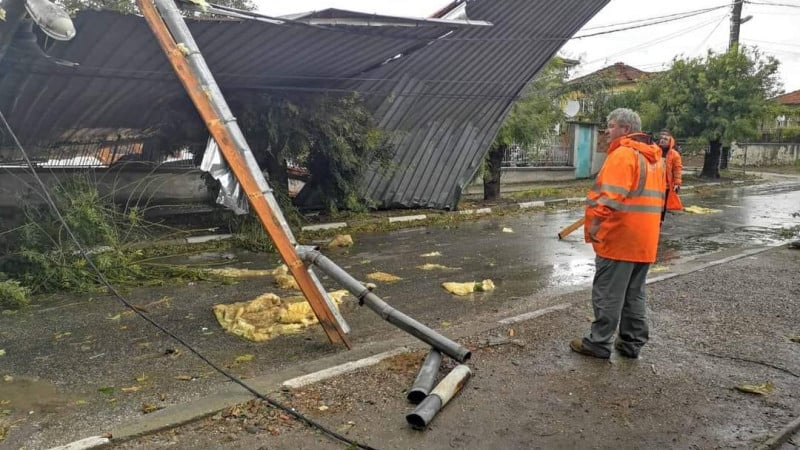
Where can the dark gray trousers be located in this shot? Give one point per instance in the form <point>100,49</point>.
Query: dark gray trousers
<point>618,299</point>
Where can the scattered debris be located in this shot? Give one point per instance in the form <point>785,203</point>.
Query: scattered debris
<point>694,209</point>
<point>468,287</point>
<point>434,267</point>
<point>507,230</point>
<point>430,255</point>
<point>323,408</point>
<point>341,240</point>
<point>383,276</point>
<point>147,408</point>
<point>131,389</point>
<point>267,315</point>
<point>232,272</point>
<point>2,352</point>
<point>283,279</point>
<point>658,268</point>
<point>245,358</point>
<point>762,389</point>
<point>795,338</point>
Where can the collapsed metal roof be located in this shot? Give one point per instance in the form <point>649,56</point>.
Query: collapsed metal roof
<point>443,86</point>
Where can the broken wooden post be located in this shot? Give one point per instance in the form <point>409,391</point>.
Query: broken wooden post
<point>177,42</point>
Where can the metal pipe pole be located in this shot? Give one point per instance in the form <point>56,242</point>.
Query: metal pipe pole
<point>178,44</point>
<point>441,394</point>
<point>426,377</point>
<point>365,297</point>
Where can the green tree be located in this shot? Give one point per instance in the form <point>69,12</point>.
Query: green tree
<point>334,137</point>
<point>532,119</point>
<point>719,97</point>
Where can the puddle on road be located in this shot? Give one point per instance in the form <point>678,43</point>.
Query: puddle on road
<point>23,394</point>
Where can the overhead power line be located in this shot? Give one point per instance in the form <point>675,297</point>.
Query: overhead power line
<point>659,18</point>
<point>787,5</point>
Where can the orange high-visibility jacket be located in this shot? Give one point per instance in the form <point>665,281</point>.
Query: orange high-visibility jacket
<point>623,208</point>
<point>674,166</point>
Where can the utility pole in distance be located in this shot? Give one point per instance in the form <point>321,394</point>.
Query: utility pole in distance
<point>736,21</point>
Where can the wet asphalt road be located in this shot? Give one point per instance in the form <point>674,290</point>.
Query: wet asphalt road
<point>74,348</point>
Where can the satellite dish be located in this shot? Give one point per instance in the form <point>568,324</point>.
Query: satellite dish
<point>571,108</point>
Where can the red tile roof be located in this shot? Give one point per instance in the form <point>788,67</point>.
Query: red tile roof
<point>618,72</point>
<point>790,98</point>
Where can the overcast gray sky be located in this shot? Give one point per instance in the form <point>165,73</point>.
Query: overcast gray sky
<point>774,28</point>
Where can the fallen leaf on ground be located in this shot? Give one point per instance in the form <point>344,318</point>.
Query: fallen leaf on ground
<point>468,287</point>
<point>147,408</point>
<point>658,268</point>
<point>245,358</point>
<point>430,255</point>
<point>117,317</point>
<point>694,209</point>
<point>507,230</point>
<point>761,389</point>
<point>108,390</point>
<point>341,240</point>
<point>383,276</point>
<point>131,389</point>
<point>433,267</point>
<point>142,378</point>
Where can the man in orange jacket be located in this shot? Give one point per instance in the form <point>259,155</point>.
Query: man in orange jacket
<point>674,172</point>
<point>622,223</point>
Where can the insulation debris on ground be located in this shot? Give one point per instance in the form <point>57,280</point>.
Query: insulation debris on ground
<point>341,240</point>
<point>268,316</point>
<point>658,268</point>
<point>507,230</point>
<point>761,389</point>
<point>468,287</point>
<point>430,255</point>
<point>383,276</point>
<point>434,267</point>
<point>694,209</point>
<point>283,279</point>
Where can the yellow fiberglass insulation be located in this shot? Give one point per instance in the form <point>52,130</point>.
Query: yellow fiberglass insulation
<point>268,316</point>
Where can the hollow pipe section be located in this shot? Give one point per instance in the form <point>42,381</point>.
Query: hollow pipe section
<point>426,377</point>
<point>424,413</point>
<point>383,309</point>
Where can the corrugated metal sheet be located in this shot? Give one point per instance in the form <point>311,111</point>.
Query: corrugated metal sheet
<point>124,80</point>
<point>448,101</point>
<point>445,98</point>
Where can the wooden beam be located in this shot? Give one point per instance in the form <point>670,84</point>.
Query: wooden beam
<point>270,219</point>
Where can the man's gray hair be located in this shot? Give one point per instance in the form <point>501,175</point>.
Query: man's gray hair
<point>626,117</point>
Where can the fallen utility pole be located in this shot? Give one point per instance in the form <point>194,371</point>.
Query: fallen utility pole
<point>176,40</point>
<point>366,297</point>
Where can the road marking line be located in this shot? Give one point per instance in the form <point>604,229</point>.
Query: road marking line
<point>341,369</point>
<point>82,444</point>
<point>534,314</point>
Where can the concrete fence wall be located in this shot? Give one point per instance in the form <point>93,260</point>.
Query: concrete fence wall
<point>764,154</point>
<point>130,186</point>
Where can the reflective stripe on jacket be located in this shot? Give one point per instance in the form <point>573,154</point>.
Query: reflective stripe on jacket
<point>623,208</point>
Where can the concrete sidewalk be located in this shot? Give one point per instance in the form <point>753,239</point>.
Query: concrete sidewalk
<point>717,327</point>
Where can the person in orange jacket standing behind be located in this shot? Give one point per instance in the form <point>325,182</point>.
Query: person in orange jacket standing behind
<point>623,209</point>
<point>674,172</point>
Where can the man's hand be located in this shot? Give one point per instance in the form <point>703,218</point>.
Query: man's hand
<point>677,189</point>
